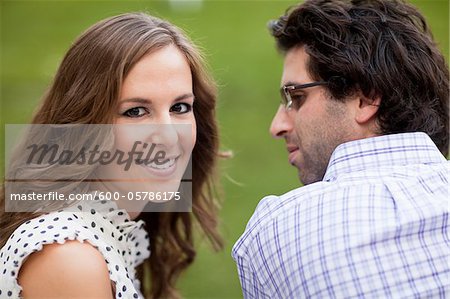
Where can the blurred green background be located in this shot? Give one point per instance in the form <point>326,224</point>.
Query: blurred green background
<point>241,54</point>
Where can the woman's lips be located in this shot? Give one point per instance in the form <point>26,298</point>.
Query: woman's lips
<point>165,169</point>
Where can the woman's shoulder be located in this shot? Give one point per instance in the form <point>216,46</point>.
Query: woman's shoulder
<point>65,270</point>
<point>52,243</point>
<point>54,227</point>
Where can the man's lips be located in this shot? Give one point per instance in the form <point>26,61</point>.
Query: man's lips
<point>292,150</point>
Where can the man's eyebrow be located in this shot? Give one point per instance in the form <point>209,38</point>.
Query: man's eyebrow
<point>289,83</point>
<point>148,101</point>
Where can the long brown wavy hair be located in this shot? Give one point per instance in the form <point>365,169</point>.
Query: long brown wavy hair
<point>86,90</point>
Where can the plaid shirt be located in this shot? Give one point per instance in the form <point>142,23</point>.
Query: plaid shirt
<point>375,227</point>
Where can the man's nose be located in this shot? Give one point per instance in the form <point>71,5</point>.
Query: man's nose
<point>281,123</point>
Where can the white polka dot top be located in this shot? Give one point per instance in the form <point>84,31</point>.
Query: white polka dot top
<point>123,243</point>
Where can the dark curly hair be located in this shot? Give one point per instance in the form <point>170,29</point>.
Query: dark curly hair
<point>382,48</point>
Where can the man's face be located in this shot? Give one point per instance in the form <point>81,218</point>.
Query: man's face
<point>317,127</point>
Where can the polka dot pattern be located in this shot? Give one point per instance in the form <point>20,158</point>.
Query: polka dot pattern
<point>122,242</point>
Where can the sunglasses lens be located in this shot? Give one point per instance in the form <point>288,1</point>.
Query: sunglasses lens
<point>285,97</point>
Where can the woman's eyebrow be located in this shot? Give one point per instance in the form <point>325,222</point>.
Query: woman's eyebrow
<point>137,100</point>
<point>148,101</point>
<point>184,96</point>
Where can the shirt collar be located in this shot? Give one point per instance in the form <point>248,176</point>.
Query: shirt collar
<point>383,151</point>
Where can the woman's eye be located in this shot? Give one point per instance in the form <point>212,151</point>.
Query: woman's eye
<point>135,112</point>
<point>181,108</point>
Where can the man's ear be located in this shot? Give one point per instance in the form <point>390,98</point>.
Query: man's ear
<point>367,108</point>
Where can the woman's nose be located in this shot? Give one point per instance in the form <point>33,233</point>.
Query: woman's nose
<point>164,131</point>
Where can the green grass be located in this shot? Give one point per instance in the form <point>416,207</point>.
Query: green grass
<point>35,35</point>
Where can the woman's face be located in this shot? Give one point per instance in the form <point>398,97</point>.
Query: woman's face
<point>155,116</point>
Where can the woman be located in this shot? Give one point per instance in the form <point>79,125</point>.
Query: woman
<point>128,69</point>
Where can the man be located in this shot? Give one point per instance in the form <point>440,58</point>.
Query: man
<point>365,119</point>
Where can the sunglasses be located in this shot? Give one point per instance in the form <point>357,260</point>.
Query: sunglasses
<point>287,93</point>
